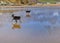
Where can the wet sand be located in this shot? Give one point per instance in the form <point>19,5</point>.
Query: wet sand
<point>42,27</point>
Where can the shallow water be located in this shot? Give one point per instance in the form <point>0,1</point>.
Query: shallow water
<point>42,27</point>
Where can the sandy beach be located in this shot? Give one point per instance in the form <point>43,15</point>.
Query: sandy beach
<point>35,5</point>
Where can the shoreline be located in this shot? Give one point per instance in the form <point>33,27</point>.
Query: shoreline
<point>36,5</point>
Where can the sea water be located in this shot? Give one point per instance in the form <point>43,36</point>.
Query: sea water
<point>42,27</point>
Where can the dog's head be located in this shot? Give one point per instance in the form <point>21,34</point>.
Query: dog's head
<point>12,15</point>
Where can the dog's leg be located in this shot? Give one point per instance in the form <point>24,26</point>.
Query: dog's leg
<point>16,21</point>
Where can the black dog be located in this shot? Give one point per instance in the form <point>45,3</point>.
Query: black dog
<point>16,18</point>
<point>28,11</point>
